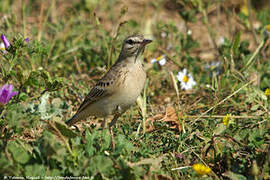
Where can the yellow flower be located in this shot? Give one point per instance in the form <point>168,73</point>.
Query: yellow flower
<point>185,79</point>
<point>161,60</point>
<point>201,169</point>
<point>267,27</point>
<point>267,92</point>
<point>226,119</point>
<point>267,30</point>
<point>244,8</point>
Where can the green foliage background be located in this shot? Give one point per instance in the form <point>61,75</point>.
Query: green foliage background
<point>73,43</point>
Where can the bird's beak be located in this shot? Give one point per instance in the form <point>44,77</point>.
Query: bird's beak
<point>146,41</point>
<point>142,46</point>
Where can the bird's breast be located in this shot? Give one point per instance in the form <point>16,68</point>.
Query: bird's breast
<point>132,85</point>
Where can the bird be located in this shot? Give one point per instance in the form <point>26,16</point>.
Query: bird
<point>119,88</point>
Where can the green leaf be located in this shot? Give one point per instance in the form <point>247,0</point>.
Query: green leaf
<point>35,170</point>
<point>233,176</point>
<point>55,84</point>
<point>236,42</point>
<point>220,129</point>
<point>154,162</point>
<point>23,96</point>
<point>260,94</point>
<point>123,145</point>
<point>65,131</point>
<point>89,144</point>
<point>101,164</point>
<point>255,107</point>
<point>13,115</point>
<point>19,154</point>
<point>43,107</point>
<point>49,109</point>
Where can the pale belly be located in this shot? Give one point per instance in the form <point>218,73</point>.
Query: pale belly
<point>123,98</point>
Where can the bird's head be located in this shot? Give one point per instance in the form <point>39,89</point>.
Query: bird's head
<point>134,45</point>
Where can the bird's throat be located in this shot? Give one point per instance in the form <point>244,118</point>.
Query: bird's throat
<point>139,52</point>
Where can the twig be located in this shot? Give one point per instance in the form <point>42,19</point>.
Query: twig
<point>251,23</point>
<point>67,52</point>
<point>77,65</point>
<point>52,124</point>
<point>222,116</point>
<point>209,29</point>
<point>230,137</point>
<point>114,36</point>
<point>40,21</point>
<point>180,168</point>
<point>253,56</point>
<point>223,101</point>
<point>204,163</point>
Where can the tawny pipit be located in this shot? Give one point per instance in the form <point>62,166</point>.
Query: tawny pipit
<point>120,86</point>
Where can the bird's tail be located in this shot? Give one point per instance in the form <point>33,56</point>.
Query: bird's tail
<point>80,115</point>
<point>73,120</point>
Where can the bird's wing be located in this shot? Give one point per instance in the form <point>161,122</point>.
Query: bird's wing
<point>104,87</point>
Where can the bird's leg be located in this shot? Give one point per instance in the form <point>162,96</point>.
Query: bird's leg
<point>110,128</point>
<point>103,124</point>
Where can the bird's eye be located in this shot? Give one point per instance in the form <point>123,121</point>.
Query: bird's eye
<point>130,41</point>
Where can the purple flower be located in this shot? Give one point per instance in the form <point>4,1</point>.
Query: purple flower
<point>26,40</point>
<point>5,41</point>
<point>6,93</point>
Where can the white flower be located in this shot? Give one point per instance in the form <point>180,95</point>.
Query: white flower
<point>221,40</point>
<point>2,47</point>
<point>163,34</point>
<point>214,67</point>
<point>161,60</point>
<point>186,80</point>
<point>189,32</point>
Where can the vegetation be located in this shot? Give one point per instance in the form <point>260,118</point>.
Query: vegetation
<point>217,127</point>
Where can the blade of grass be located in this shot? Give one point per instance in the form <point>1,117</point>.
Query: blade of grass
<point>144,105</point>
<point>141,101</point>
<point>253,56</point>
<point>175,85</point>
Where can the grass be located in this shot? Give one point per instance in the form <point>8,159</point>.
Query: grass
<point>73,43</point>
